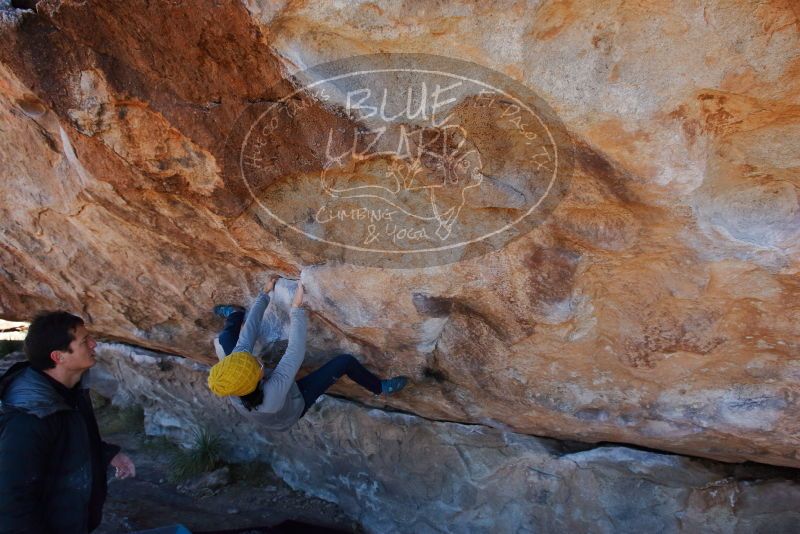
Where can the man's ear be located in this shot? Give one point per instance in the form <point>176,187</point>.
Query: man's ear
<point>57,356</point>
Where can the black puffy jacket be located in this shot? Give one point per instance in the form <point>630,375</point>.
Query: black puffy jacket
<point>47,466</point>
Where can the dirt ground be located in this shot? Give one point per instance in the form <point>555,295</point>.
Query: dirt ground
<point>256,498</point>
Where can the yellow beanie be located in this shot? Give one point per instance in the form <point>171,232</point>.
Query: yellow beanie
<point>237,374</point>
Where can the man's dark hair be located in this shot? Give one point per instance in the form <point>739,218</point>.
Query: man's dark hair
<point>49,331</point>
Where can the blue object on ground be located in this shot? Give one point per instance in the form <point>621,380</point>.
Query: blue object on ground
<point>172,529</point>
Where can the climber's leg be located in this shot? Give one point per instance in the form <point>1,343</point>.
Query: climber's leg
<point>230,332</point>
<point>316,383</point>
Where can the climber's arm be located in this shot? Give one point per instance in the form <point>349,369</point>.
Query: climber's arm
<point>281,379</point>
<point>252,324</point>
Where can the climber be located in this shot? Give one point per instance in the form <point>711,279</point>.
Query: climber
<point>274,398</point>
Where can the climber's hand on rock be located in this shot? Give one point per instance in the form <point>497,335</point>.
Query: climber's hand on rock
<point>270,285</point>
<point>297,301</point>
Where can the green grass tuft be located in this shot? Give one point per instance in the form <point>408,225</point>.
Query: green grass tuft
<point>204,456</point>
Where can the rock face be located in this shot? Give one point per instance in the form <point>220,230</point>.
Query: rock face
<point>658,303</point>
<point>397,472</point>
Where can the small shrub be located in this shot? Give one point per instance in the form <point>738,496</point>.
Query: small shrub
<point>204,456</point>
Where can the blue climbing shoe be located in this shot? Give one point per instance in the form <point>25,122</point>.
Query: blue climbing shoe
<point>393,385</point>
<point>224,310</point>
